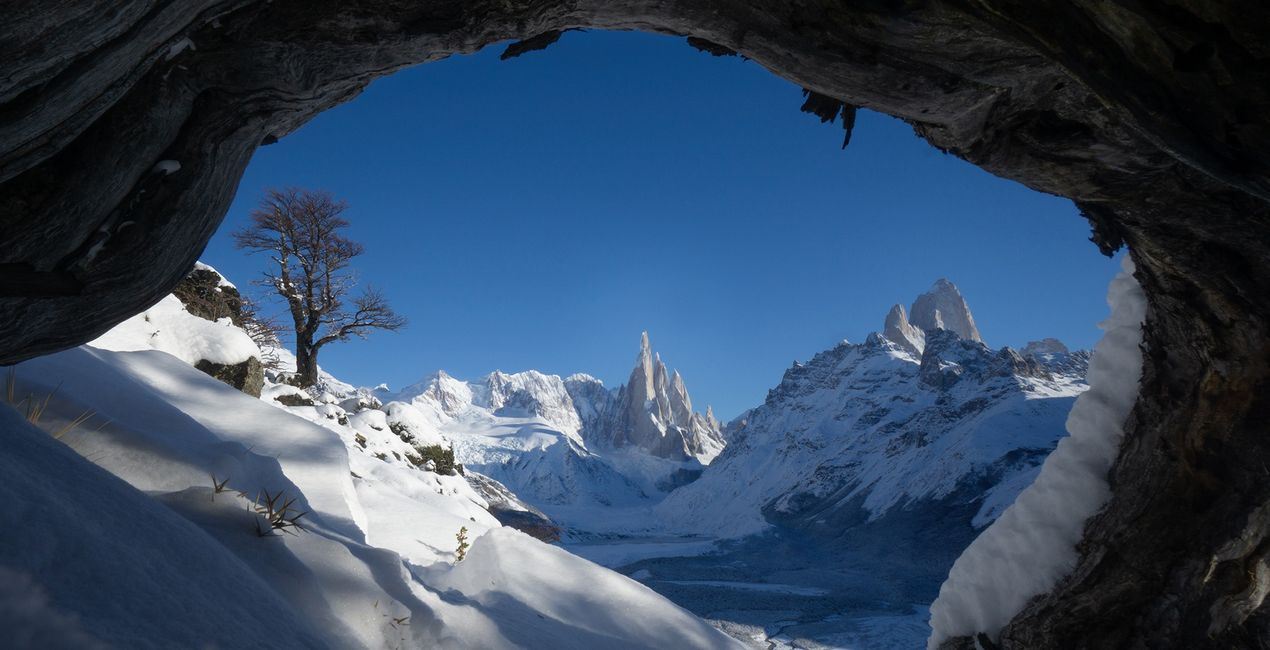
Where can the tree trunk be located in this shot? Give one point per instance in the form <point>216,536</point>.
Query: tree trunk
<point>305,365</point>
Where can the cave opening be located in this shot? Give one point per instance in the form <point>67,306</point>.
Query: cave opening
<point>537,213</point>
<point>125,132</point>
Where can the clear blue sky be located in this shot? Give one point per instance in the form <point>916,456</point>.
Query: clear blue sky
<point>540,212</point>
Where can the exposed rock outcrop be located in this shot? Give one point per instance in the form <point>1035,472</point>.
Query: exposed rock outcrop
<point>1043,348</point>
<point>943,307</point>
<point>655,414</point>
<point>248,376</point>
<point>206,294</point>
<point>511,511</point>
<point>900,332</point>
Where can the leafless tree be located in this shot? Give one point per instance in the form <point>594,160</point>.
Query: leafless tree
<point>265,331</point>
<point>300,231</point>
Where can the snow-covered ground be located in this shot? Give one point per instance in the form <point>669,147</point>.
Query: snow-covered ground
<point>828,521</point>
<point>118,525</point>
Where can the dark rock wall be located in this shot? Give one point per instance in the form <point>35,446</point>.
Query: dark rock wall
<point>1150,115</point>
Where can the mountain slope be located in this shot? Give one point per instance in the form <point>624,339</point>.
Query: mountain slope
<point>565,444</point>
<point>860,431</point>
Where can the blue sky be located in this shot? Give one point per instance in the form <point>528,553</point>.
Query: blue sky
<point>541,212</point>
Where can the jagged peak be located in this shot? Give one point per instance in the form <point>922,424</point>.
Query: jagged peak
<point>898,330</point>
<point>944,307</point>
<point>896,315</point>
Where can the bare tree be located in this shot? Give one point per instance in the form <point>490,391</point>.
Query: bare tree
<point>300,230</point>
<point>265,332</point>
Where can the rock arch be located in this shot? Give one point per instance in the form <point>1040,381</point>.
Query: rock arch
<point>124,128</point>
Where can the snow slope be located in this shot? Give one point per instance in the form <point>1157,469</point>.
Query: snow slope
<point>90,562</point>
<point>145,553</point>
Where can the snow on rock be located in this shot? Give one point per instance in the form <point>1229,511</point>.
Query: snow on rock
<point>200,266</point>
<point>1033,544</point>
<point>440,392</point>
<point>505,570</point>
<point>413,425</point>
<point>166,167</point>
<point>653,412</point>
<point>862,430</point>
<point>1044,347</point>
<point>168,327</point>
<point>900,332</point>
<point>565,443</point>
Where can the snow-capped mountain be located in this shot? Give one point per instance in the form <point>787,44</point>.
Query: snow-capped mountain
<point>561,442</point>
<point>654,413</point>
<point>915,415</point>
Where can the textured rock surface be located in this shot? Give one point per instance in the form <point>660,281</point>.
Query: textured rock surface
<point>125,127</point>
<point>248,376</point>
<point>204,294</point>
<point>899,331</point>
<point>207,295</point>
<point>1044,347</point>
<point>655,414</point>
<point>943,307</point>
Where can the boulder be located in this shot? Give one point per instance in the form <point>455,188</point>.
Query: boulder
<point>247,376</point>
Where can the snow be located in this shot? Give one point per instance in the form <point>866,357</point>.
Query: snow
<point>1033,544</point>
<point>144,553</point>
<point>167,327</point>
<point>200,266</point>
<point>504,572</point>
<point>27,620</point>
<point>166,167</point>
<point>129,569</point>
<point>770,587</point>
<point>178,47</point>
<point>857,421</point>
<point>525,430</point>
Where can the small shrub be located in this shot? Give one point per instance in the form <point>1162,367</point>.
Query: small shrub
<point>360,439</point>
<point>219,487</point>
<point>277,511</point>
<point>461,551</point>
<point>35,407</point>
<point>441,457</point>
<point>401,431</point>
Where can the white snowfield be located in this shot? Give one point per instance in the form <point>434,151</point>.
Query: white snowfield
<point>168,327</point>
<point>118,537</point>
<point>539,435</point>
<point>1033,544</point>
